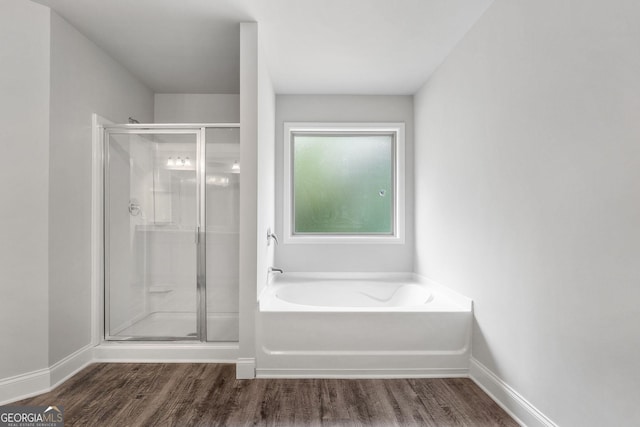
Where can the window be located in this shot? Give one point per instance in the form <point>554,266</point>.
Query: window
<point>344,183</point>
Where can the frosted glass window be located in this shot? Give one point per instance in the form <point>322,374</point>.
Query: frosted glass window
<point>343,184</point>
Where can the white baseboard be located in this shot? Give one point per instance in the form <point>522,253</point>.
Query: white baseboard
<point>70,365</point>
<point>24,386</point>
<point>246,368</point>
<point>363,373</point>
<point>44,380</point>
<point>510,400</point>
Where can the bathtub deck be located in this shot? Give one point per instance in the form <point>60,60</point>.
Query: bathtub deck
<point>208,394</point>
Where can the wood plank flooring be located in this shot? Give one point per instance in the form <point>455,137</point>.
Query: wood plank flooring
<point>106,394</point>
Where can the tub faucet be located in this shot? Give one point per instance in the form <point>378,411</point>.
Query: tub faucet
<point>275,270</point>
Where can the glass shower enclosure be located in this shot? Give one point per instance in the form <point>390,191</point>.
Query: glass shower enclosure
<point>171,207</point>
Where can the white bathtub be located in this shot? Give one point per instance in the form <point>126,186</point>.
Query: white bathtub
<point>361,325</point>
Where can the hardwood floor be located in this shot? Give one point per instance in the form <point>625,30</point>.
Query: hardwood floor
<point>107,394</point>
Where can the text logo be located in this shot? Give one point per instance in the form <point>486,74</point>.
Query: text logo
<point>31,416</point>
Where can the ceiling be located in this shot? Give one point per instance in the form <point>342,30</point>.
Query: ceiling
<point>310,46</point>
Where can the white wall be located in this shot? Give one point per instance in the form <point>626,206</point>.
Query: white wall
<point>196,108</point>
<point>248,196</point>
<point>24,133</point>
<point>84,80</point>
<point>266,171</point>
<point>334,108</point>
<point>527,200</point>
<point>257,114</point>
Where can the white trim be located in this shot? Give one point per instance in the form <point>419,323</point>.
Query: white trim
<point>364,373</point>
<point>44,380</point>
<point>362,353</point>
<point>246,368</point>
<point>24,386</point>
<point>519,408</point>
<point>155,352</point>
<point>398,237</point>
<point>64,369</point>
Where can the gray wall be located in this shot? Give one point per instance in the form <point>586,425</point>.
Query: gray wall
<point>348,108</point>
<point>24,195</point>
<point>527,199</point>
<point>248,196</point>
<point>196,108</point>
<point>84,80</point>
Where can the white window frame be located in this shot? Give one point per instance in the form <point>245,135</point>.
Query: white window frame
<point>397,237</point>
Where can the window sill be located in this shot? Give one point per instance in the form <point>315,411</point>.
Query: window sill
<point>343,240</point>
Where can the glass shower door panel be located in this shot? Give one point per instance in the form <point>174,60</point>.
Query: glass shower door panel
<point>150,236</point>
<point>222,238</point>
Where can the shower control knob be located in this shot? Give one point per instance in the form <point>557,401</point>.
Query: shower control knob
<point>271,236</point>
<point>134,207</point>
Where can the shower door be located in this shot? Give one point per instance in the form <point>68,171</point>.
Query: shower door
<point>154,238</point>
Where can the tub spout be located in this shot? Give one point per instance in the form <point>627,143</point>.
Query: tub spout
<point>275,270</point>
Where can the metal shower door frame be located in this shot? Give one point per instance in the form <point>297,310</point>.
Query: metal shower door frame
<point>200,234</point>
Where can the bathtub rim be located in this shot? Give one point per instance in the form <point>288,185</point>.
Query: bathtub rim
<point>452,300</point>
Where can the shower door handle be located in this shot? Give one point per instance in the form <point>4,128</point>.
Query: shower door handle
<point>197,236</point>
